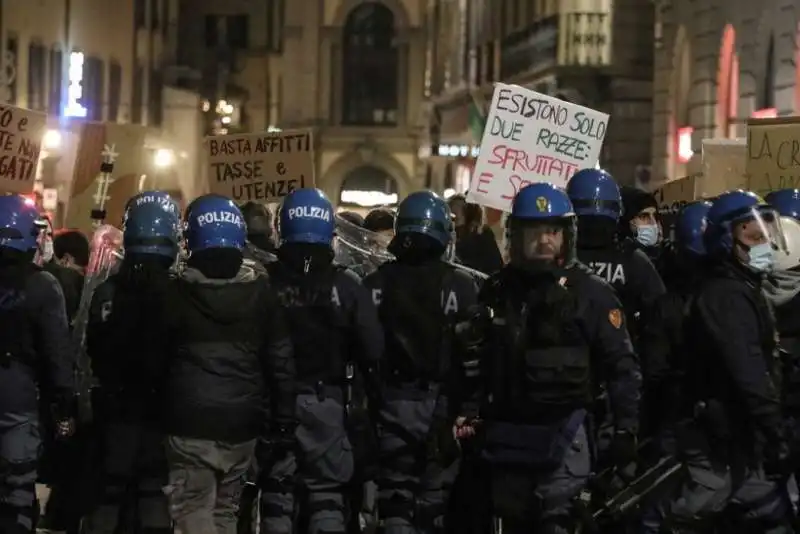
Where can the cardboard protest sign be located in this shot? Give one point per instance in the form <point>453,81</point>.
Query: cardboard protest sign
<point>21,134</point>
<point>531,137</point>
<point>261,167</point>
<point>773,154</point>
<point>724,167</point>
<point>673,196</point>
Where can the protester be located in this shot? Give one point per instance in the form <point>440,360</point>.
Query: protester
<point>476,246</point>
<point>380,221</point>
<point>71,249</point>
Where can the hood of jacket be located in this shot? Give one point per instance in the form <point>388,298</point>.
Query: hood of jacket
<point>223,301</point>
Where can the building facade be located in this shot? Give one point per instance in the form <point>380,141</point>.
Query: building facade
<point>596,53</point>
<point>351,70</point>
<point>97,66</point>
<point>719,62</point>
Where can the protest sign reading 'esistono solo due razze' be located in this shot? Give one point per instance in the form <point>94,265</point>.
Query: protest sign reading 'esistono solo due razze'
<point>531,137</point>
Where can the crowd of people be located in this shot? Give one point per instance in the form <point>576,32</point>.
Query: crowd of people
<point>607,374</point>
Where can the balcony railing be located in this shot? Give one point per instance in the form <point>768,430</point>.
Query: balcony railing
<point>566,39</point>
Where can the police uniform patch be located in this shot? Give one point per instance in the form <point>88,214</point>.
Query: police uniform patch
<point>615,318</point>
<point>542,204</point>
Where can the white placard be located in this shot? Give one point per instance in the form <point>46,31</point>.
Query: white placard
<point>49,198</point>
<point>531,137</point>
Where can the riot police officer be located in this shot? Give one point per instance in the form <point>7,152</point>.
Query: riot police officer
<point>782,289</point>
<point>125,344</point>
<point>662,341</point>
<point>735,450</point>
<point>598,204</point>
<point>420,297</point>
<point>230,358</point>
<point>336,333</point>
<point>554,324</point>
<point>36,354</point>
<point>786,202</point>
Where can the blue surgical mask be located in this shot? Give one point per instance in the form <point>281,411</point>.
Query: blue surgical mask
<point>761,258</point>
<point>647,235</point>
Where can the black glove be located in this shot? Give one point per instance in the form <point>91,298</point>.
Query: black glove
<point>623,450</point>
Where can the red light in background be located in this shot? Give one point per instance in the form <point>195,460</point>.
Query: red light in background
<point>685,151</point>
<point>766,113</point>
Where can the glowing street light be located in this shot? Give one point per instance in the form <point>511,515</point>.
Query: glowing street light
<point>163,158</point>
<point>52,140</point>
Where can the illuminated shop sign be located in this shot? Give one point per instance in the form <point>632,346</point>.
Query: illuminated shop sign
<point>75,88</point>
<point>454,151</point>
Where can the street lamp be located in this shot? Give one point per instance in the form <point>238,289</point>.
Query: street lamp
<point>163,158</point>
<point>52,140</point>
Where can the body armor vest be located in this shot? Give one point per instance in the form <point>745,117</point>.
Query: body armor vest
<point>316,324</point>
<point>537,376</point>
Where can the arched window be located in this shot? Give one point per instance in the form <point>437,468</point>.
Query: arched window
<point>370,69</point>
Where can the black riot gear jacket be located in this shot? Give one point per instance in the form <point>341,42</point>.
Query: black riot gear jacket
<point>317,325</point>
<point>419,304</point>
<point>35,345</point>
<point>735,370</point>
<point>542,369</point>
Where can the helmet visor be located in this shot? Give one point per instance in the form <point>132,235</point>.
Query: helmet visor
<point>539,240</point>
<point>759,225</point>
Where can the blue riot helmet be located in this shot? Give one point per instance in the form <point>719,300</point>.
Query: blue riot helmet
<point>423,228</point>
<point>690,225</point>
<point>786,202</point>
<point>306,216</point>
<point>214,222</point>
<point>742,227</point>
<point>20,223</point>
<point>425,213</point>
<point>594,192</point>
<point>151,225</point>
<point>541,227</point>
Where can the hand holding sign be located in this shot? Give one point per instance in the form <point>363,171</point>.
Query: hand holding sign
<point>531,137</point>
<point>260,167</point>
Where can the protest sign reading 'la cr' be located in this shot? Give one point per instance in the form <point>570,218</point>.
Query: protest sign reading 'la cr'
<point>21,134</point>
<point>531,137</point>
<point>260,167</point>
<point>773,154</point>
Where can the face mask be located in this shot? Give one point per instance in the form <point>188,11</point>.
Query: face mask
<point>647,235</point>
<point>47,251</point>
<point>761,258</point>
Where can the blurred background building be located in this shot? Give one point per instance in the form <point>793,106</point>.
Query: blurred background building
<point>597,53</point>
<point>96,67</point>
<point>719,62</point>
<point>350,69</point>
